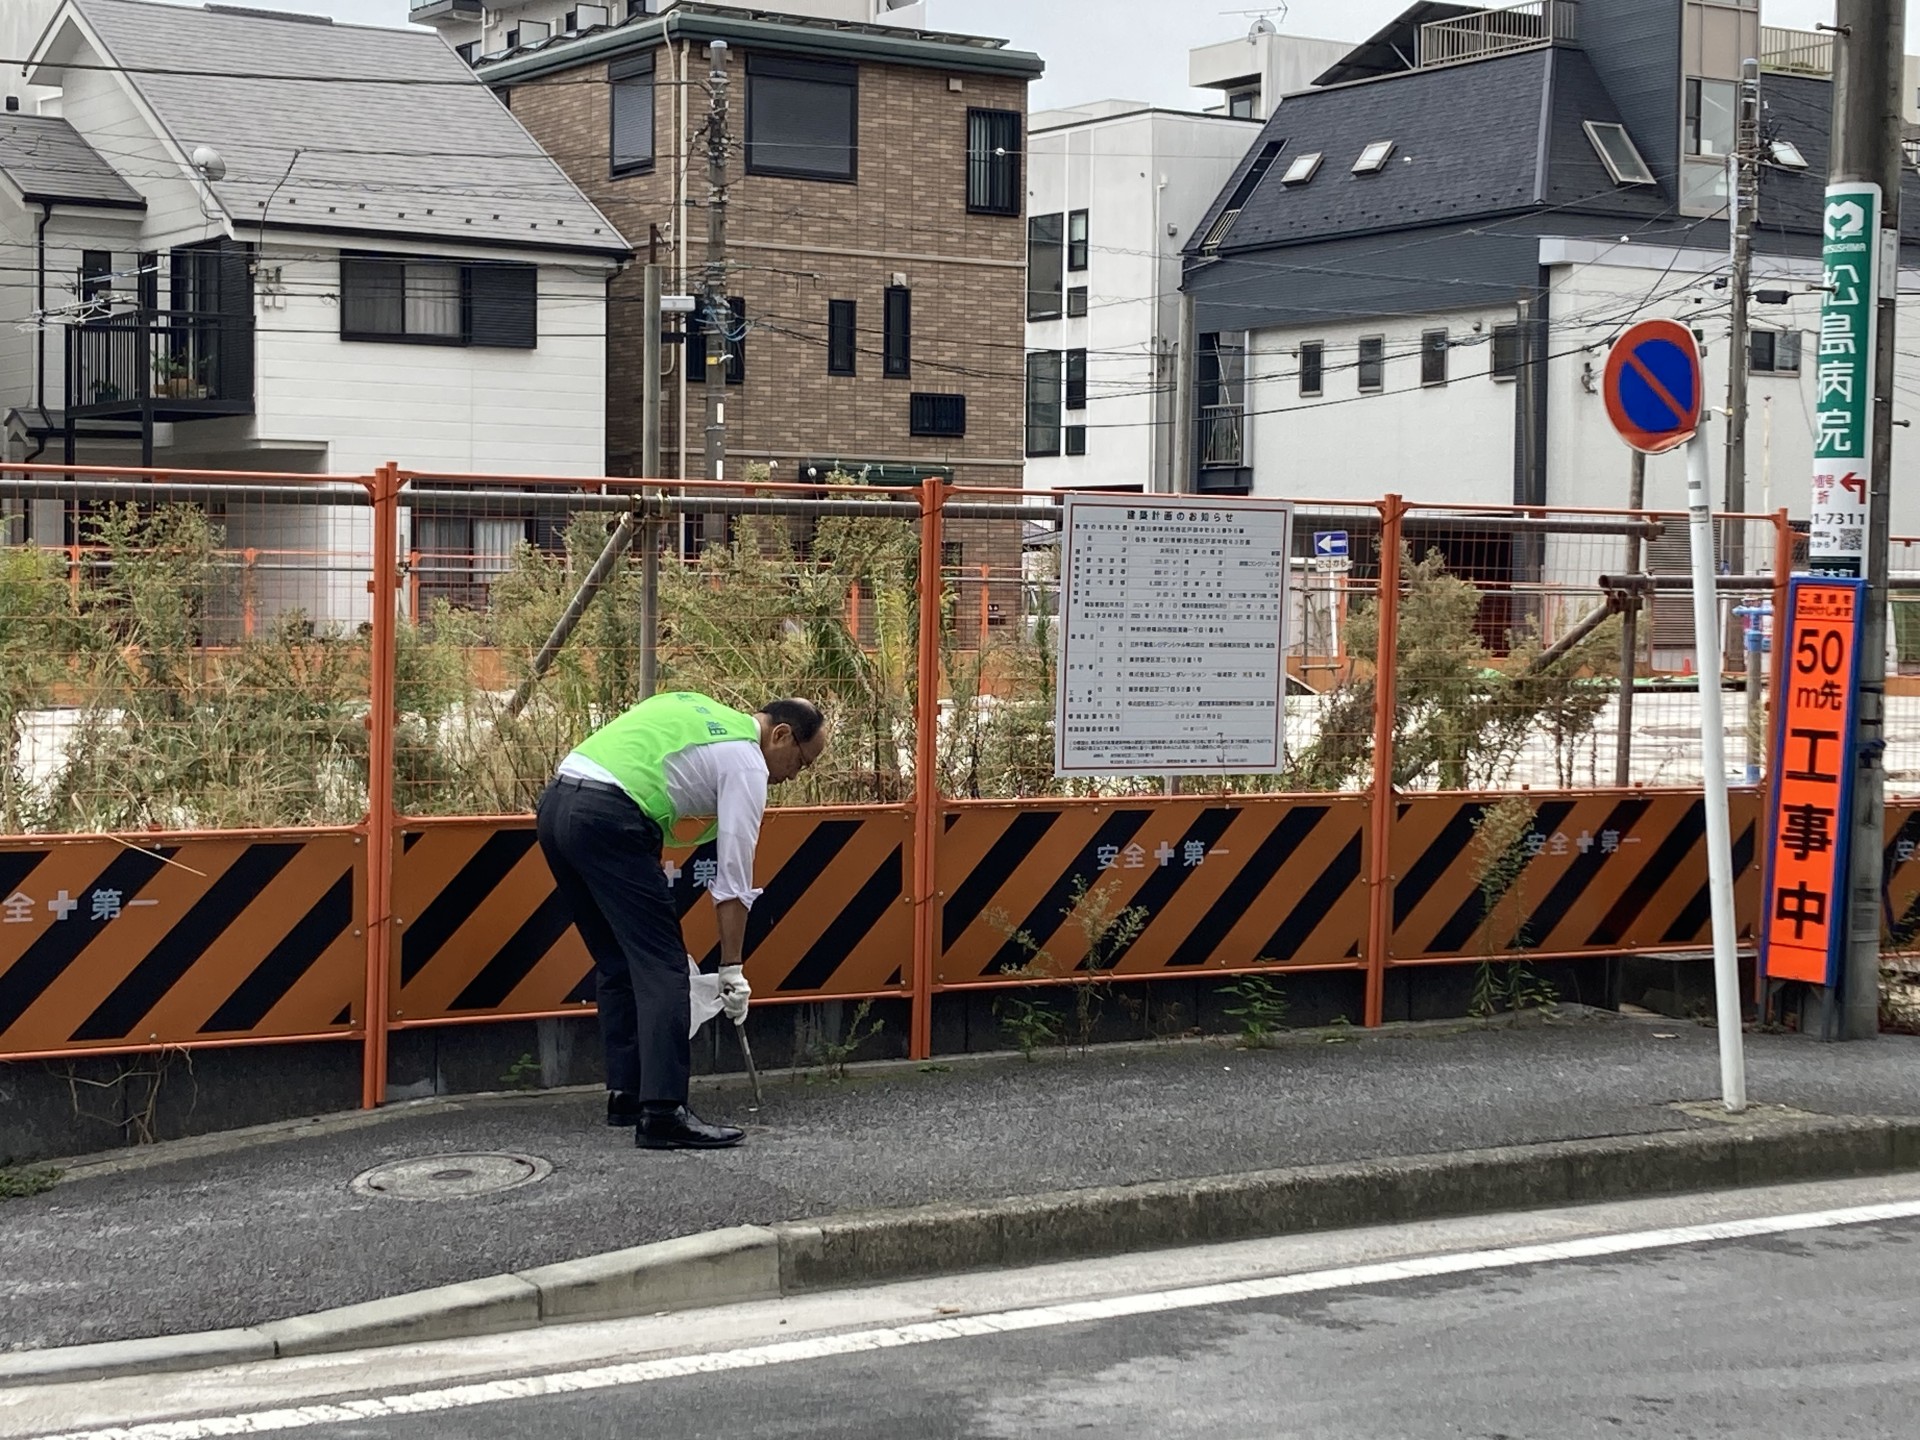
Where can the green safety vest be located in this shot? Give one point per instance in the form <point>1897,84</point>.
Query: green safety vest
<point>634,748</point>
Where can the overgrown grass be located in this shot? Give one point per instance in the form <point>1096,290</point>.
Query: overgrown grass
<point>127,703</point>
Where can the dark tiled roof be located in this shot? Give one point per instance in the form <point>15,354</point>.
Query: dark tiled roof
<point>1577,181</point>
<point>46,158</point>
<point>1468,143</point>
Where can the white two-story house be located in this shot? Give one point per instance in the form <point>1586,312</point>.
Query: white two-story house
<point>274,243</point>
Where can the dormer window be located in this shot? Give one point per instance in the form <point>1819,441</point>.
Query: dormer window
<point>1618,153</point>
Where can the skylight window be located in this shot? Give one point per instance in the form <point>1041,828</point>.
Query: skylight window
<point>1787,155</point>
<point>1303,169</point>
<point>1618,153</point>
<point>1373,158</point>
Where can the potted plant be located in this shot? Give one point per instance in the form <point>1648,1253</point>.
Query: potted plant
<point>172,374</point>
<point>105,391</point>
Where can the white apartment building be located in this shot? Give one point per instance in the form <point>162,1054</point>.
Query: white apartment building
<point>311,275</point>
<point>1114,188</point>
<point>479,30</point>
<point>1426,404</point>
<point>1414,278</point>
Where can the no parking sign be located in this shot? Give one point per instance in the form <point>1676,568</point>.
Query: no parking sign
<point>1653,387</point>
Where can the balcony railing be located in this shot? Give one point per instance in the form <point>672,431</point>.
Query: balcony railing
<point>180,364</point>
<point>1222,437</point>
<point>1497,32</point>
<point>1796,52</point>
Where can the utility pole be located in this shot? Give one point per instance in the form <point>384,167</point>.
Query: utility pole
<point>650,470</point>
<point>1869,44</point>
<point>1743,200</point>
<point>1181,481</point>
<point>1743,195</point>
<point>718,313</point>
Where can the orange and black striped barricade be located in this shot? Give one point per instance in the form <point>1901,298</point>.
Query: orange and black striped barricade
<point>1219,884</point>
<point>482,933</point>
<point>1900,873</point>
<point>159,940</point>
<point>1588,873</point>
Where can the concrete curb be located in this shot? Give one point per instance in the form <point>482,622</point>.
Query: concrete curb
<point>752,1262</point>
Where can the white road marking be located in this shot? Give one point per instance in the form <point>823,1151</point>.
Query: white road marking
<point>790,1352</point>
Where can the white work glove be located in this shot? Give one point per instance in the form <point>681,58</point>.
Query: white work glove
<point>734,993</point>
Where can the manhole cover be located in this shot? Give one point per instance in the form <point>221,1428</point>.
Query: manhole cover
<point>452,1177</point>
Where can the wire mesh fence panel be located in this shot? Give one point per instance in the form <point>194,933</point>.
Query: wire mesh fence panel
<point>1000,639</point>
<point>746,595</point>
<point>1333,635</point>
<point>1548,649</point>
<point>182,655</point>
<point>813,592</point>
<point>1000,608</point>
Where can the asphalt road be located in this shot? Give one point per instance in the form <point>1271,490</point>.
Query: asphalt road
<point>1808,1336</point>
<point>1758,1314</point>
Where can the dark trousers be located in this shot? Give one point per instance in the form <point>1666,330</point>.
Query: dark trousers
<point>605,857</point>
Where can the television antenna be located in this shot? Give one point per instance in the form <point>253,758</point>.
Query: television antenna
<point>1266,20</point>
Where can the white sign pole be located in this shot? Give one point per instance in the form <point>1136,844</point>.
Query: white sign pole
<point>1713,759</point>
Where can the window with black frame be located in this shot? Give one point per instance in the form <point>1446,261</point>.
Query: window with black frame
<point>1077,245</point>
<point>896,361</point>
<point>802,118</point>
<point>410,300</point>
<point>1046,262</point>
<point>842,346</point>
<point>630,115</point>
<point>993,162</point>
<point>1043,402</point>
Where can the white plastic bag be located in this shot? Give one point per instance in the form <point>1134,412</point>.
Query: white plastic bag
<point>705,997</point>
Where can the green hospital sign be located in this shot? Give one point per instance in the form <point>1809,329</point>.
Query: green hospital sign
<point>1843,433</point>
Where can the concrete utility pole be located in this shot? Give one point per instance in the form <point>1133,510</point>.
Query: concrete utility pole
<point>1182,480</point>
<point>1743,200</point>
<point>718,313</point>
<point>1869,47</point>
<point>1743,195</point>
<point>650,470</point>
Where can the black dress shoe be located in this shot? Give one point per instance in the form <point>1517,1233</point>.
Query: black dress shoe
<point>623,1109</point>
<point>681,1129</point>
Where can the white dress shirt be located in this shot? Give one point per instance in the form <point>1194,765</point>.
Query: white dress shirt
<point>726,780</point>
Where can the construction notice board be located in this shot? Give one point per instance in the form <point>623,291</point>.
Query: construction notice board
<point>1173,655</point>
<point>1810,808</point>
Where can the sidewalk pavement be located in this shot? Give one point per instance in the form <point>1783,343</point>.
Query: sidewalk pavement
<point>237,1231</point>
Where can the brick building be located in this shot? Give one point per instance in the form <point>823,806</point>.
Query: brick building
<point>876,233</point>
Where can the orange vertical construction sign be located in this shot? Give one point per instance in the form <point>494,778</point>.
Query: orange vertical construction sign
<point>1810,809</point>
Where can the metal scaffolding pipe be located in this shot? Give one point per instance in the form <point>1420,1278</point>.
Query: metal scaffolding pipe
<point>34,486</point>
<point>1641,584</point>
<point>644,506</point>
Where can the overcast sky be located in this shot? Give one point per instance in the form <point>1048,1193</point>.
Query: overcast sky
<point>1125,49</point>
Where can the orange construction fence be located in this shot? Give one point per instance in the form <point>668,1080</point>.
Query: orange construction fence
<point>390,915</point>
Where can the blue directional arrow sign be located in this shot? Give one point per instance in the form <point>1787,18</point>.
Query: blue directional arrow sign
<point>1330,544</point>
